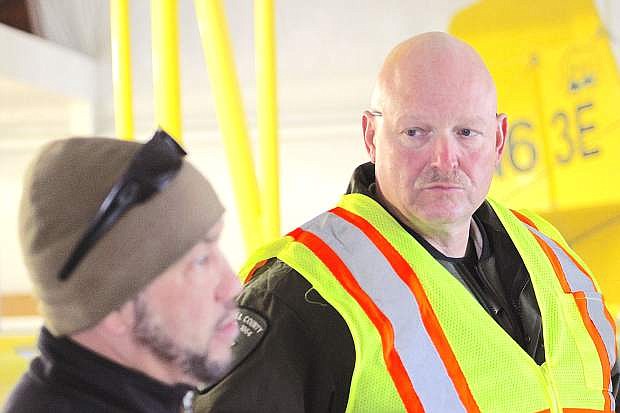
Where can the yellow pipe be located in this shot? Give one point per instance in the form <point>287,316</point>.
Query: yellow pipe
<point>121,69</point>
<point>267,111</point>
<point>231,117</point>
<point>166,83</point>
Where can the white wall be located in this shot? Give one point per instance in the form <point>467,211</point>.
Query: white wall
<point>328,54</point>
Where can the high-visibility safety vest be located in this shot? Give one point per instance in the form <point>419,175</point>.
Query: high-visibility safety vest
<point>422,341</point>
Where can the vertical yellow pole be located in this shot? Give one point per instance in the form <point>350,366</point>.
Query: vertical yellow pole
<point>121,68</point>
<point>231,117</point>
<point>166,82</point>
<point>267,110</point>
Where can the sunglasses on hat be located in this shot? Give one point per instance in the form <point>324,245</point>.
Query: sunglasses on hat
<point>154,165</point>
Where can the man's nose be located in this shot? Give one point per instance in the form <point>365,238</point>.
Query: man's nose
<point>444,154</point>
<point>230,286</point>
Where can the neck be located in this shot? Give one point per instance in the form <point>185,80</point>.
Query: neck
<point>448,238</point>
<point>124,351</point>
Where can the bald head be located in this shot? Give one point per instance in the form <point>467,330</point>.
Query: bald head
<point>434,136</point>
<point>433,62</point>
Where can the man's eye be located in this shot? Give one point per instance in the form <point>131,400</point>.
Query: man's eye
<point>467,132</point>
<point>202,260</point>
<point>413,132</point>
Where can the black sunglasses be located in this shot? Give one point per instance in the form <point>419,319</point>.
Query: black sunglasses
<point>150,170</point>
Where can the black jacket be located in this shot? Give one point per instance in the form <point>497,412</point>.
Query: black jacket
<point>68,378</point>
<point>304,362</point>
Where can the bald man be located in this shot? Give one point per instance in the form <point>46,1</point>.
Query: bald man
<point>417,292</point>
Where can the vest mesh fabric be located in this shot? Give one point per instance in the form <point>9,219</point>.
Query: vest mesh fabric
<point>501,376</point>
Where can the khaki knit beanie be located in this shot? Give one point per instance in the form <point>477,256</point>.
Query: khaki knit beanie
<point>62,192</point>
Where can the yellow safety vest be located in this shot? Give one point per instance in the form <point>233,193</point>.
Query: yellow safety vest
<point>422,341</point>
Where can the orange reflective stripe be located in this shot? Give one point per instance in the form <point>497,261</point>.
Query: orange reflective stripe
<point>529,222</point>
<point>587,274</point>
<point>580,300</point>
<point>393,362</point>
<point>608,316</point>
<point>409,277</point>
<point>253,270</point>
<point>555,263</point>
<point>524,219</point>
<point>583,310</point>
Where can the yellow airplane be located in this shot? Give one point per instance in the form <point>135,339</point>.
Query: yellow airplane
<point>559,85</point>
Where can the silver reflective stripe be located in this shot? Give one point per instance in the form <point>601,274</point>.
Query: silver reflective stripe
<point>595,306</point>
<point>392,296</point>
<point>578,281</point>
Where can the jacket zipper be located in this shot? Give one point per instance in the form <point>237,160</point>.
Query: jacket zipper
<point>550,388</point>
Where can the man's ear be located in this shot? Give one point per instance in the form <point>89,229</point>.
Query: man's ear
<point>368,129</point>
<point>501,134</point>
<point>121,321</point>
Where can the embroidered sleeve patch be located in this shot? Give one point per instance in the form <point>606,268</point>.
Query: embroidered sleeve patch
<point>252,329</point>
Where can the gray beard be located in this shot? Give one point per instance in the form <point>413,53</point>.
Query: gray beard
<point>161,344</point>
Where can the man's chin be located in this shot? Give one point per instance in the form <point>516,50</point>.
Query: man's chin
<point>205,370</point>
<point>220,358</point>
<point>446,211</point>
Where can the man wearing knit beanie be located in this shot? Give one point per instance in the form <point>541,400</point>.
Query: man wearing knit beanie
<point>121,243</point>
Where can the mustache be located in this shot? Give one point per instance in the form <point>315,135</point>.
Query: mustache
<point>435,176</point>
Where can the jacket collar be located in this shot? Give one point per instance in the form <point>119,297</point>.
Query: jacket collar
<point>77,367</point>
